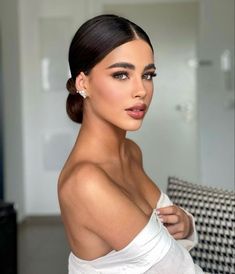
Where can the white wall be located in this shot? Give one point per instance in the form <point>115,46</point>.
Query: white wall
<point>38,133</point>
<point>216,94</point>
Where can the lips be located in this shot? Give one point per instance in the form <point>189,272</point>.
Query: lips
<point>137,111</point>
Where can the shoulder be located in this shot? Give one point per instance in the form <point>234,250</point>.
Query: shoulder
<point>83,179</point>
<point>88,187</point>
<point>89,198</point>
<point>84,192</point>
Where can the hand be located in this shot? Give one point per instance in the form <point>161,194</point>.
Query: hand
<point>176,220</point>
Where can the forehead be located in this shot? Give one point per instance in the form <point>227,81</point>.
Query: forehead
<point>137,52</point>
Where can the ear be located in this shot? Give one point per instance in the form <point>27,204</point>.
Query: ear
<point>81,82</point>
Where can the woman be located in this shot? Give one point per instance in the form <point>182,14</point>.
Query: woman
<point>116,219</point>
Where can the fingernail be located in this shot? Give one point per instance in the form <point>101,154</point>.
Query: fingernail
<point>158,212</point>
<point>160,219</point>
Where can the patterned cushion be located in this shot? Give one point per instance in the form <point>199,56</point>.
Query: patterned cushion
<point>214,211</point>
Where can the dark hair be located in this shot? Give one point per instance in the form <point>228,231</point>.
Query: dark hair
<point>91,43</point>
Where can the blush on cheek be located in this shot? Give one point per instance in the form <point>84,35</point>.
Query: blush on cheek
<point>112,93</point>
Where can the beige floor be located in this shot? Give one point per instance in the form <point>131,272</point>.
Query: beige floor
<point>42,246</point>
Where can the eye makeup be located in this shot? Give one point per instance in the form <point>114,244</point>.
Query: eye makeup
<point>120,75</point>
<point>149,75</point>
<point>123,75</point>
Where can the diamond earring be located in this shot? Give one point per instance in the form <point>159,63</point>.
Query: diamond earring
<point>82,93</point>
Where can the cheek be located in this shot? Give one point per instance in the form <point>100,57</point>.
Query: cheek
<point>149,88</point>
<point>150,95</point>
<point>109,92</point>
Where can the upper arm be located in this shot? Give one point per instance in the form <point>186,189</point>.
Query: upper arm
<point>95,202</point>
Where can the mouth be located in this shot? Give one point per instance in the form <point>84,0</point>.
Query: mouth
<point>137,111</point>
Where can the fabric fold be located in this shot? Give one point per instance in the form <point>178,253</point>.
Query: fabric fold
<point>152,251</point>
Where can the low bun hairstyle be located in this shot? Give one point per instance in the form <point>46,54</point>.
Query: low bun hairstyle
<point>74,104</point>
<point>91,43</point>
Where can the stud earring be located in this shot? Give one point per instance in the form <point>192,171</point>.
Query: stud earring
<point>82,93</point>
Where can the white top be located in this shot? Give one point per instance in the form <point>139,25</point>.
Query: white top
<point>152,251</point>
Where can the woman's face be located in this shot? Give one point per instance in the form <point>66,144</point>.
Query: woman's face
<point>120,87</point>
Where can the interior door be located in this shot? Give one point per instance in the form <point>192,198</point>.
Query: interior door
<point>169,135</point>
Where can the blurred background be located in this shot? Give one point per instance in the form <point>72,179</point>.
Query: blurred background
<point>188,132</point>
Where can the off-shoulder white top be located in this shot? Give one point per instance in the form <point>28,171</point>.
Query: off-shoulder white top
<point>152,251</point>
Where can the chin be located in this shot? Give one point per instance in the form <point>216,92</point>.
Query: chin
<point>134,126</point>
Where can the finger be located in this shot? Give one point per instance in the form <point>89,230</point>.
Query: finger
<point>169,219</point>
<point>178,235</point>
<point>172,229</point>
<point>168,210</point>
<point>175,230</point>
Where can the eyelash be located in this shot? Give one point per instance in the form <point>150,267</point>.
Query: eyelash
<point>119,75</point>
<point>151,74</point>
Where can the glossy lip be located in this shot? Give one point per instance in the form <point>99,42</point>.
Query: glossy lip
<point>137,111</point>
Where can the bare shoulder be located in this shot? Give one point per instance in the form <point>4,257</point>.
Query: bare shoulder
<point>89,198</point>
<point>82,180</point>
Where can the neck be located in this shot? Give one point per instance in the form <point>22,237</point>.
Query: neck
<point>103,139</point>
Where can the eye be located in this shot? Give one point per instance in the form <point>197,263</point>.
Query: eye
<point>149,75</point>
<point>120,75</point>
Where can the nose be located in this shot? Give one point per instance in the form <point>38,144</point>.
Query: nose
<point>139,89</point>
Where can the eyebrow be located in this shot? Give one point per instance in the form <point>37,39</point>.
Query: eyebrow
<point>130,66</point>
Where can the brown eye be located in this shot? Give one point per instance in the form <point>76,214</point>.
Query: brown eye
<point>120,75</point>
